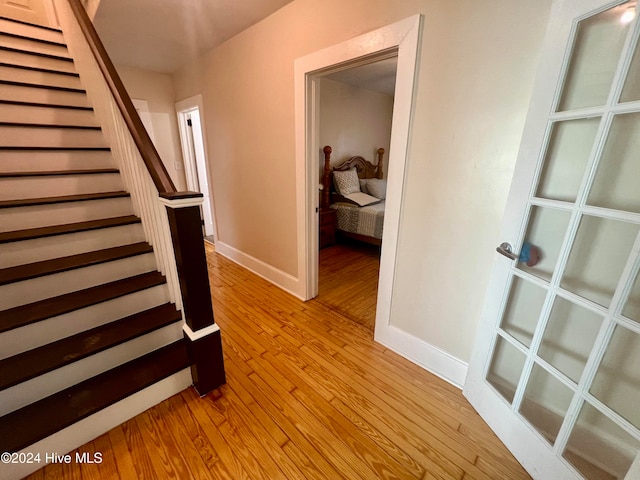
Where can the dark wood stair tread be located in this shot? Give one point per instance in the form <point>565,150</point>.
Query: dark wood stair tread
<point>33,39</point>
<point>43,105</point>
<point>30,202</point>
<point>52,173</point>
<point>63,264</point>
<point>46,87</point>
<point>49,125</point>
<point>37,54</point>
<point>54,149</point>
<point>39,69</point>
<point>53,230</point>
<point>41,360</point>
<point>52,29</point>
<point>45,417</point>
<point>51,307</point>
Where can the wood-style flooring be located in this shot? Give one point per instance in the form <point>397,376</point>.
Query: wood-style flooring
<point>348,280</point>
<point>309,396</point>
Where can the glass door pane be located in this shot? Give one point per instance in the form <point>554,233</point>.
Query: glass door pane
<point>617,381</point>
<point>545,403</point>
<point>598,44</point>
<point>616,182</point>
<point>546,230</point>
<point>569,337</point>
<point>569,148</point>
<point>599,448</point>
<point>598,256</point>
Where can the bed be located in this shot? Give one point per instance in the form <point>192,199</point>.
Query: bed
<point>356,191</point>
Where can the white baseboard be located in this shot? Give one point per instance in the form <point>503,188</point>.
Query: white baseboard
<point>433,359</point>
<point>281,279</point>
<point>97,424</point>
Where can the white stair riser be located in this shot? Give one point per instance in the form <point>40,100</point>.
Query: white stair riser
<point>15,188</point>
<point>34,46</point>
<point>35,289</point>
<point>36,250</point>
<point>46,115</point>
<point>51,137</point>
<point>41,387</point>
<point>17,58</point>
<point>30,31</point>
<point>20,218</point>
<point>43,95</point>
<point>82,432</point>
<point>43,161</point>
<point>41,333</point>
<point>39,78</point>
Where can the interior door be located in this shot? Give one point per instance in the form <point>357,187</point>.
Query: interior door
<point>556,365</point>
<point>30,11</point>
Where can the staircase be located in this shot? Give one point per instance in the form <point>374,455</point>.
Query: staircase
<point>85,317</point>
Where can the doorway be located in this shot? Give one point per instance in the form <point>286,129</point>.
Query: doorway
<point>402,39</point>
<point>355,118</point>
<point>194,152</point>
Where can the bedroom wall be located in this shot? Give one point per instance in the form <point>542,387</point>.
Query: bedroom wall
<point>474,81</point>
<point>157,89</point>
<point>354,121</point>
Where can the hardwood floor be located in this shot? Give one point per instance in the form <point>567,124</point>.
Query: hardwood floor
<point>309,396</point>
<point>348,280</point>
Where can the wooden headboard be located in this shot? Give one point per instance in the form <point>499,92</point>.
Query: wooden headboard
<point>365,169</point>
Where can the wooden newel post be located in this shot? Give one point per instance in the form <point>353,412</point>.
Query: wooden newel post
<point>200,330</point>
<point>380,164</point>
<point>326,179</point>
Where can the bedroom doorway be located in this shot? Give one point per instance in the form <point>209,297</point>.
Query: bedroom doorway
<point>355,118</point>
<point>401,39</point>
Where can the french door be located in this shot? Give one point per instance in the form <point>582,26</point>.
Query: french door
<point>556,366</point>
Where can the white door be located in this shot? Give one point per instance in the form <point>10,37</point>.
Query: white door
<point>556,366</point>
<point>198,178</point>
<point>191,126</point>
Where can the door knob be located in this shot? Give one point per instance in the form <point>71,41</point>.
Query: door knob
<point>529,254</point>
<point>506,250</point>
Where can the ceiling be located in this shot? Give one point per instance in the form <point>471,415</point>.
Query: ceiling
<point>163,35</point>
<point>379,76</point>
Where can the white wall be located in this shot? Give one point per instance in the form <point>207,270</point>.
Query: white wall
<point>354,121</point>
<point>157,90</point>
<point>475,76</point>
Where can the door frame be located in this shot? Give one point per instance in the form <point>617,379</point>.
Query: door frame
<point>193,168</point>
<point>403,37</point>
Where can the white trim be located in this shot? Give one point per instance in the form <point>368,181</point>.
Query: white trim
<point>183,108</point>
<point>85,430</point>
<point>429,357</point>
<point>279,278</point>
<point>203,332</point>
<point>181,202</point>
<point>403,36</point>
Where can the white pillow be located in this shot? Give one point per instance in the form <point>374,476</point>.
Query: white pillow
<point>363,185</point>
<point>377,187</point>
<point>362,199</point>
<point>346,182</point>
